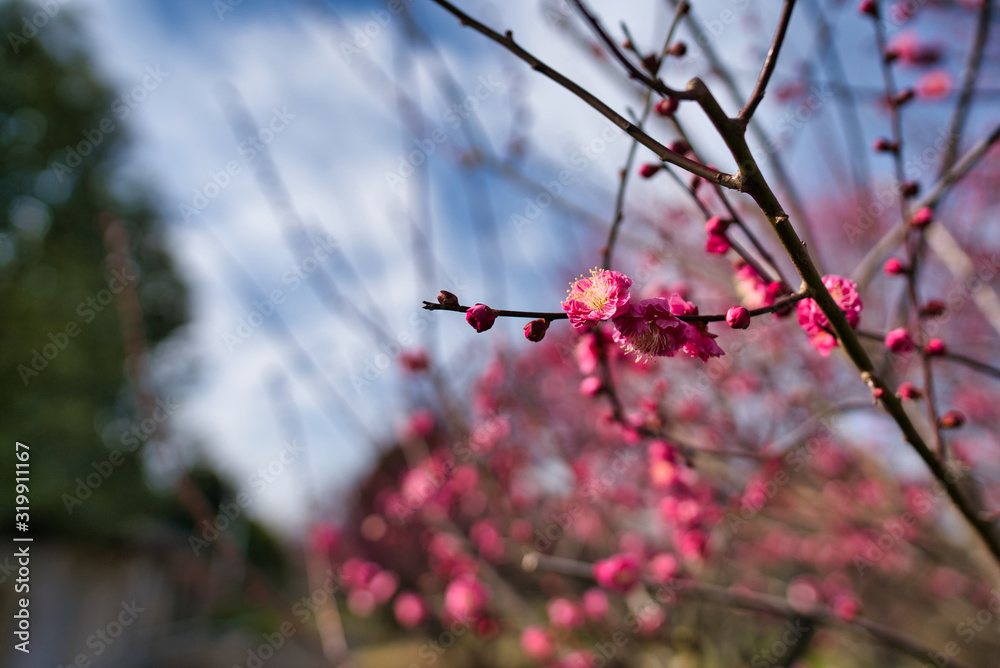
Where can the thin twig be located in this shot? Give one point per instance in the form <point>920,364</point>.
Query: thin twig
<point>746,113</point>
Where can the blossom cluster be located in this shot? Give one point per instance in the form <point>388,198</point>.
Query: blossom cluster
<point>646,329</point>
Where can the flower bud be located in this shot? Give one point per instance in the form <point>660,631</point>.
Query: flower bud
<point>717,244</point>
<point>667,106</point>
<point>678,49</point>
<point>446,298</point>
<point>935,348</point>
<point>908,391</point>
<point>894,266</point>
<point>933,308</point>
<point>952,420</point>
<point>649,169</point>
<point>481,317</point>
<point>716,225</point>
<point>738,317</point>
<point>869,7</point>
<point>883,145</point>
<point>922,217</point>
<point>679,146</point>
<point>899,341</point>
<point>902,97</point>
<point>535,330</point>
<point>909,189</point>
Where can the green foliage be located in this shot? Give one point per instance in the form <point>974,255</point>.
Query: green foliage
<point>71,409</point>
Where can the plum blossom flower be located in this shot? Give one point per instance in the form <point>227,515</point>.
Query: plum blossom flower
<point>815,324</point>
<point>700,343</point>
<point>649,329</point>
<point>618,573</point>
<point>465,598</point>
<point>602,296</point>
<point>899,341</point>
<point>409,609</point>
<point>536,643</point>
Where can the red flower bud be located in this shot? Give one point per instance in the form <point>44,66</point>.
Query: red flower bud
<point>678,49</point>
<point>894,266</point>
<point>738,317</point>
<point>648,169</point>
<point>883,145</point>
<point>952,420</point>
<point>899,341</point>
<point>908,391</point>
<point>446,298</point>
<point>935,348</point>
<point>535,330</point>
<point>922,217</point>
<point>909,189</point>
<point>679,146</point>
<point>869,7</point>
<point>667,106</point>
<point>933,308</point>
<point>481,317</point>
<point>716,225</point>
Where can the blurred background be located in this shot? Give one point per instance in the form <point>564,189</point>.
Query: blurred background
<point>220,219</point>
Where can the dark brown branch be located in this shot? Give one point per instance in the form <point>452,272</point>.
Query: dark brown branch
<point>746,113</point>
<point>661,151</point>
<point>782,303</point>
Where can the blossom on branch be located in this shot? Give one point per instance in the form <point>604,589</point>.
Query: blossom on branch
<point>649,329</point>
<point>811,318</point>
<point>602,296</point>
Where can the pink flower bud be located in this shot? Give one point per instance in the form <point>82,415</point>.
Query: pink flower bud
<point>738,317</point>
<point>952,420</point>
<point>595,603</point>
<point>922,217</point>
<point>935,85</point>
<point>536,643</point>
<point>716,225</point>
<point>409,609</point>
<point>662,568</point>
<point>590,386</point>
<point>899,341</point>
<point>869,7</point>
<point>678,49</point>
<point>717,244</point>
<point>618,573</point>
<point>481,317</point>
<point>935,348</point>
<point>465,598</point>
<point>535,330</point>
<point>564,613</point>
<point>667,106</point>
<point>908,391</point>
<point>648,169</point>
<point>894,266</point>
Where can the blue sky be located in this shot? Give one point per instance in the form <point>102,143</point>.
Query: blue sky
<point>332,130</point>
